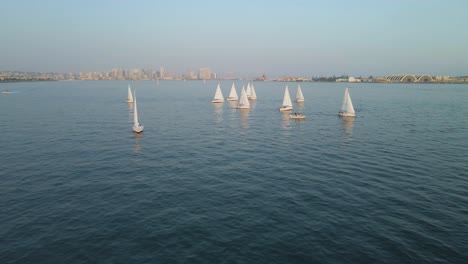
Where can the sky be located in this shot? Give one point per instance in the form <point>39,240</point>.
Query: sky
<point>249,38</point>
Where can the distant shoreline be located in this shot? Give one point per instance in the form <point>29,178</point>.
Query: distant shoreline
<point>15,81</point>
<point>368,82</point>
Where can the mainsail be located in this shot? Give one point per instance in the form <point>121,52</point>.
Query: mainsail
<point>253,94</point>
<point>299,95</point>
<point>129,96</point>
<point>243,101</point>
<point>135,113</point>
<point>347,105</point>
<point>218,94</point>
<point>233,93</point>
<point>287,98</point>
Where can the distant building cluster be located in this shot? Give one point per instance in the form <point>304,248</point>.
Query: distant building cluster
<point>15,76</point>
<point>114,74</point>
<point>147,74</point>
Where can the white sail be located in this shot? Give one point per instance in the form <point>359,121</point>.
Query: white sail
<point>299,95</point>
<point>248,92</point>
<point>287,98</point>
<point>129,96</point>
<point>218,97</point>
<point>287,104</point>
<point>347,105</point>
<point>137,127</point>
<point>253,94</point>
<point>135,113</point>
<point>347,108</point>
<point>233,94</point>
<point>243,101</point>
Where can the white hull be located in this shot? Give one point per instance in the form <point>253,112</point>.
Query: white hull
<point>232,99</point>
<point>138,129</point>
<point>346,114</point>
<point>252,98</point>
<point>216,101</point>
<point>297,116</point>
<point>286,108</point>
<point>299,101</point>
<point>129,101</point>
<point>242,107</point>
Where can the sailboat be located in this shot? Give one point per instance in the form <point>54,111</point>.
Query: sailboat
<point>299,95</point>
<point>287,104</point>
<point>347,108</point>
<point>297,116</point>
<point>243,101</point>
<point>233,94</point>
<point>218,97</point>
<point>248,92</point>
<point>129,96</point>
<point>253,94</point>
<point>137,127</point>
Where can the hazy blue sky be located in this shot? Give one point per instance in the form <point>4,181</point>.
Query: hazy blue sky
<point>309,38</point>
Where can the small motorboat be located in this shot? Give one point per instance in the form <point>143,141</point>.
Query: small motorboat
<point>297,116</point>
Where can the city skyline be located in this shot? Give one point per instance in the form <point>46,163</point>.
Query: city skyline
<point>249,38</point>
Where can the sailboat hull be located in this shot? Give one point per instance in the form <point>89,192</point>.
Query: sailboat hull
<point>138,129</point>
<point>232,99</point>
<point>297,116</point>
<point>285,108</point>
<point>216,101</point>
<point>346,114</point>
<point>243,107</point>
<point>299,100</point>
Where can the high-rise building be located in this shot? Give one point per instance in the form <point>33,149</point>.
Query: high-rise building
<point>204,74</point>
<point>190,75</point>
<point>149,74</point>
<point>136,74</point>
<point>161,72</point>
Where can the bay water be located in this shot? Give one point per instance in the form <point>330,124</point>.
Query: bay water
<point>208,183</point>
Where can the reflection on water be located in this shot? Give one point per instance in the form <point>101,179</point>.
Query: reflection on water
<point>218,112</point>
<point>253,104</point>
<point>137,147</point>
<point>299,107</point>
<point>285,119</point>
<point>347,122</point>
<point>244,116</point>
<point>232,104</point>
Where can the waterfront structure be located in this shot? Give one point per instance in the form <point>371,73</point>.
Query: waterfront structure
<point>410,78</point>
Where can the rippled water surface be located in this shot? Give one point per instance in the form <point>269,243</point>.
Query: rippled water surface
<point>208,183</point>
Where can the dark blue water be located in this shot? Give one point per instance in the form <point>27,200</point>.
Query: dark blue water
<point>211,184</point>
